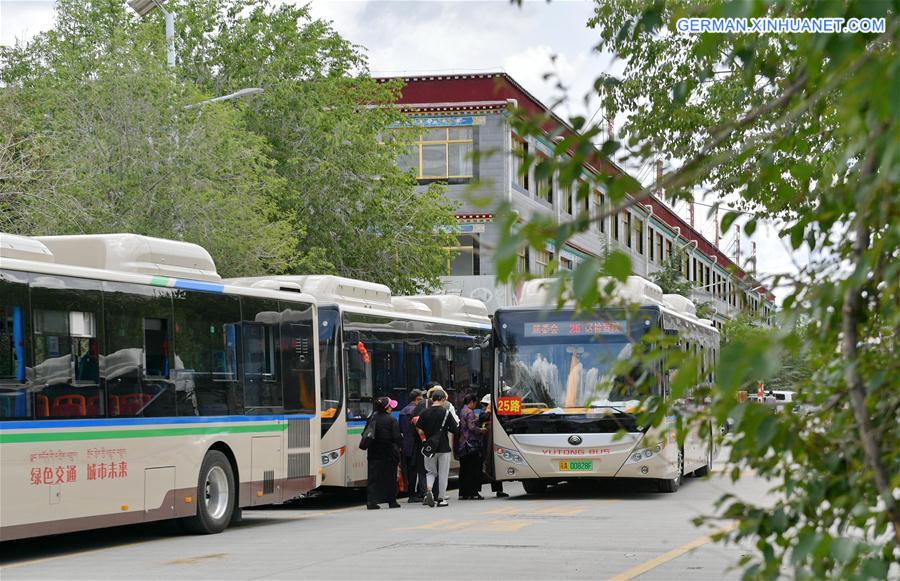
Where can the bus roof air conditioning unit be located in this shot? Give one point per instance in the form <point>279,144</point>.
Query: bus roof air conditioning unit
<point>277,285</point>
<point>407,305</point>
<point>17,247</point>
<point>640,291</point>
<point>680,304</point>
<point>135,254</point>
<point>454,307</point>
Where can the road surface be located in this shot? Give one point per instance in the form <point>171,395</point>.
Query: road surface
<point>621,530</point>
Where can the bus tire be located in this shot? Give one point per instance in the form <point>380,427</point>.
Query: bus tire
<point>534,486</point>
<point>216,495</point>
<point>670,485</point>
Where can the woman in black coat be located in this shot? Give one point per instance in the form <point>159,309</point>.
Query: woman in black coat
<point>384,456</point>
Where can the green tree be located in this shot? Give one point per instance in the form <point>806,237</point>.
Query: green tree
<point>102,142</point>
<point>670,277</point>
<point>329,127</point>
<point>801,128</point>
<point>300,179</point>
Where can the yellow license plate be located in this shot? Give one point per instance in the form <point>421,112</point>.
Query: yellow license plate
<point>576,465</point>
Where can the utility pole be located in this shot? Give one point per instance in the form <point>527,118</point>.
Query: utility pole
<point>145,7</point>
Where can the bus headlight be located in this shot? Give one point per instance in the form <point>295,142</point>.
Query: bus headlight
<point>332,456</point>
<point>509,455</point>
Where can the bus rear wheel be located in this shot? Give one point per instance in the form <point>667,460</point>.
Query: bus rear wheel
<point>672,484</point>
<point>215,495</point>
<point>534,486</point>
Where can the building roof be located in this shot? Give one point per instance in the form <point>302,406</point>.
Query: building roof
<point>492,91</point>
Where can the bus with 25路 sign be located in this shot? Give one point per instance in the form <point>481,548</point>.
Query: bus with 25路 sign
<point>559,405</point>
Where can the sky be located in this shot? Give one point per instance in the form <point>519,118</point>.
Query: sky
<point>527,42</point>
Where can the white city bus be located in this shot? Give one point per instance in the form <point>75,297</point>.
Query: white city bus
<point>135,386</point>
<point>373,344</point>
<point>559,406</point>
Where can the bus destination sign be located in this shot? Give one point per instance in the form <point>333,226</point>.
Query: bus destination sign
<point>575,328</point>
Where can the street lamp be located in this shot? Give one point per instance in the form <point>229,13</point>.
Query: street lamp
<point>145,7</point>
<point>236,95</point>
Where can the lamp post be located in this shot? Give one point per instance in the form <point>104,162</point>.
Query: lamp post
<point>236,95</point>
<point>145,7</point>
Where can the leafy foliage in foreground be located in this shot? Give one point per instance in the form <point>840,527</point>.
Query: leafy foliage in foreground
<point>802,128</point>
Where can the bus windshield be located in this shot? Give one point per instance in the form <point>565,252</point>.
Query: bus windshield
<point>558,368</point>
<point>564,376</point>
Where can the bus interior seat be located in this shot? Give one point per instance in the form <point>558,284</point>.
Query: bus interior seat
<point>69,405</point>
<point>41,406</point>
<point>131,404</point>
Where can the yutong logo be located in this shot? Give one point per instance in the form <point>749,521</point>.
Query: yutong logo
<point>574,440</point>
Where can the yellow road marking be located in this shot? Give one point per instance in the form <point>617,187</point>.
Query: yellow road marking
<point>505,526</point>
<point>561,510</point>
<point>196,560</point>
<point>505,510</point>
<point>639,570</point>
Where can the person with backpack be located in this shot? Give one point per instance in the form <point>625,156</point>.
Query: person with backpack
<point>433,426</point>
<point>412,456</point>
<point>381,438</point>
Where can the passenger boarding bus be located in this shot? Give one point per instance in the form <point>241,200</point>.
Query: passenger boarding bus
<point>373,344</point>
<point>559,406</point>
<point>135,386</point>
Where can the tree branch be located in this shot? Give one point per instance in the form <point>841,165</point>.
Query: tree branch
<point>850,315</point>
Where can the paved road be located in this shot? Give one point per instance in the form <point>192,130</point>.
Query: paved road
<point>598,531</point>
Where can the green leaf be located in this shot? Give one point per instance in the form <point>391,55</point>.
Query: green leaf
<point>728,219</point>
<point>584,281</point>
<point>805,542</point>
<point>617,265</point>
<point>843,549</point>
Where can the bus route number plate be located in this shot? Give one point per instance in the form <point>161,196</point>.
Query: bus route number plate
<point>576,465</point>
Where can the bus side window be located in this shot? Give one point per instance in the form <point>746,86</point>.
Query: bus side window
<point>14,326</point>
<point>65,317</point>
<point>205,348</point>
<point>260,337</point>
<point>298,357</point>
<point>139,372</point>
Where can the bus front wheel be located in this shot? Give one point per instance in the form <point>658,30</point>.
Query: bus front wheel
<point>215,495</point>
<point>672,484</point>
<point>534,486</point>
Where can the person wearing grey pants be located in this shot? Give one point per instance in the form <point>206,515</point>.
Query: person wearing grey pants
<point>433,426</point>
<point>438,468</point>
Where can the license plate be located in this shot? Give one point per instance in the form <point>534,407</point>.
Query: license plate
<point>576,465</point>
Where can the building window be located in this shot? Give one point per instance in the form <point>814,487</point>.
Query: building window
<point>615,224</point>
<point>466,260</point>
<point>599,203</point>
<point>519,154</point>
<point>659,247</point>
<point>568,205</point>
<point>668,249</point>
<point>545,189</point>
<point>542,260</point>
<point>441,153</point>
<point>639,235</point>
<point>565,263</point>
<point>522,261</point>
<point>650,253</point>
<point>627,228</point>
